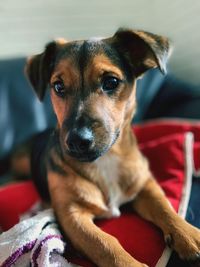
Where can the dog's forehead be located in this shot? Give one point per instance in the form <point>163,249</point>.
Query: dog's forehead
<point>83,48</point>
<point>83,53</point>
<point>80,52</point>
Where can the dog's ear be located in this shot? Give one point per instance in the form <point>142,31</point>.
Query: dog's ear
<point>143,50</point>
<point>39,67</point>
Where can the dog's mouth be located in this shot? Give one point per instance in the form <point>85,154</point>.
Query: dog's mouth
<point>86,156</point>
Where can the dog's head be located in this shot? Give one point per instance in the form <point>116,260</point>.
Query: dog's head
<point>92,86</point>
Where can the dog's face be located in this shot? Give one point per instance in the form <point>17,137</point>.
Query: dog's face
<point>92,85</point>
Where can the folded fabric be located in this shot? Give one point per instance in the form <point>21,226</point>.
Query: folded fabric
<point>170,157</point>
<point>36,240</point>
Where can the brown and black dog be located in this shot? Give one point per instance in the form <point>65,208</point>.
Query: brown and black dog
<point>92,162</point>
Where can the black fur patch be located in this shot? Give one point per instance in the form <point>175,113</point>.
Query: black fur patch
<point>53,166</point>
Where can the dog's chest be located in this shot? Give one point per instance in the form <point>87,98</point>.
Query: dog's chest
<point>109,168</point>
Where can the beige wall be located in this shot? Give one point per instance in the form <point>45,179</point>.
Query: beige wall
<point>26,25</point>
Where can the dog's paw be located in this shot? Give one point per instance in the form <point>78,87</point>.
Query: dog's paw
<point>185,240</point>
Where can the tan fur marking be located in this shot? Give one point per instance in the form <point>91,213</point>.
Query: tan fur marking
<point>61,41</point>
<point>68,74</point>
<point>100,64</point>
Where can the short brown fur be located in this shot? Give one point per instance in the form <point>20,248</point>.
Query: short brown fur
<point>85,189</point>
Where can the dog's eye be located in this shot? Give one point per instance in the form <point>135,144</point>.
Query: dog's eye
<point>110,84</point>
<point>59,88</point>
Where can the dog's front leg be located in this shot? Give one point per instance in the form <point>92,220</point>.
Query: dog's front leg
<point>100,247</point>
<point>76,220</point>
<point>152,205</point>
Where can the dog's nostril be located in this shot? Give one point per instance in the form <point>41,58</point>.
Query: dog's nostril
<point>84,145</point>
<point>71,145</point>
<point>80,140</point>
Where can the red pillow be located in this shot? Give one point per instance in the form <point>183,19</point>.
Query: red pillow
<point>159,128</point>
<point>15,199</point>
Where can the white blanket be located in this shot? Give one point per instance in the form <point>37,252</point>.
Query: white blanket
<point>36,241</point>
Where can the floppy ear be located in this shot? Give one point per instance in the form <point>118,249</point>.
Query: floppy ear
<point>39,68</point>
<point>143,50</point>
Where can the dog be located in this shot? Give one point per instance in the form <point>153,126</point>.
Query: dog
<point>90,164</point>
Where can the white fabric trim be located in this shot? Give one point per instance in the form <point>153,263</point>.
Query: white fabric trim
<point>189,163</point>
<point>189,168</point>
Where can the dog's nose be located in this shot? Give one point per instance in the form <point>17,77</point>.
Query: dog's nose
<point>80,140</point>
